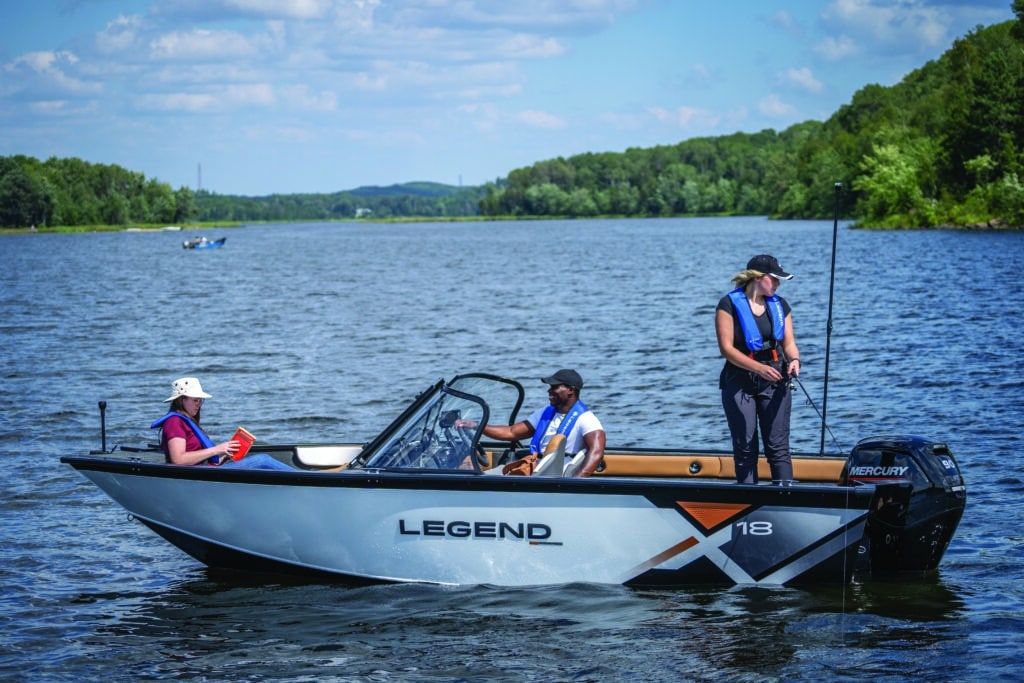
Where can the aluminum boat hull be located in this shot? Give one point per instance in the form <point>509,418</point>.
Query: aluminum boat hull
<point>429,500</point>
<point>505,531</point>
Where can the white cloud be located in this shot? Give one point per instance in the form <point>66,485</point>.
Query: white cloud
<point>785,21</point>
<point>48,71</point>
<point>835,48</point>
<point>290,9</point>
<point>202,44</point>
<point>893,27</point>
<point>223,99</point>
<point>275,134</point>
<point>625,121</point>
<point>230,10</point>
<point>59,108</point>
<point>121,34</point>
<point>701,74</point>
<point>686,117</point>
<point>772,105</point>
<point>301,97</point>
<point>801,78</point>
<point>522,46</point>
<point>541,119</point>
<point>482,116</point>
<point>187,102</point>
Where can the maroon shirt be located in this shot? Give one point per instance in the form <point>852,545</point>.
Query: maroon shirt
<point>176,428</point>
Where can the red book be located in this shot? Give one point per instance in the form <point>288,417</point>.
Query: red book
<point>245,441</point>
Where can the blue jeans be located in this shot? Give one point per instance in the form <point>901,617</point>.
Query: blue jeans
<point>258,461</point>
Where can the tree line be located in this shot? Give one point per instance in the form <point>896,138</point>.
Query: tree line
<point>72,192</point>
<point>421,200</point>
<point>945,146</point>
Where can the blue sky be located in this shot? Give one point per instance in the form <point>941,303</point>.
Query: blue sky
<point>325,95</point>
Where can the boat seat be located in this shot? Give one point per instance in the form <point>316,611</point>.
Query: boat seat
<point>824,470</point>
<point>827,470</point>
<point>553,461</point>
<point>574,465</point>
<point>326,456</point>
<point>624,465</point>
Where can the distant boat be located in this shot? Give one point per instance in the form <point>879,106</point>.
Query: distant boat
<point>203,243</point>
<point>173,228</point>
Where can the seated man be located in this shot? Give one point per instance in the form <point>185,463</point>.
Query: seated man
<point>566,415</point>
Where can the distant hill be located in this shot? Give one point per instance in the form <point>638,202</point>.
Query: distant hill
<point>418,189</point>
<point>403,200</point>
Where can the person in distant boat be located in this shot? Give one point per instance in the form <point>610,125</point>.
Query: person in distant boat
<point>754,327</point>
<point>185,443</point>
<point>567,415</point>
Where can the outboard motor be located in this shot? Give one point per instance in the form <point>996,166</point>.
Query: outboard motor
<point>919,500</point>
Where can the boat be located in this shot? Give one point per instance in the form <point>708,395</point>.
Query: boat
<point>204,243</point>
<point>428,500</point>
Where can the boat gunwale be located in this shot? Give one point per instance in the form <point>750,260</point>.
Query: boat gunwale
<point>809,494</point>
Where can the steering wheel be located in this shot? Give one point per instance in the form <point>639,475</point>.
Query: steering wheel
<point>464,435</point>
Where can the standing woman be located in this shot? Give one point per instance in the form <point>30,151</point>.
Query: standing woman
<point>754,327</point>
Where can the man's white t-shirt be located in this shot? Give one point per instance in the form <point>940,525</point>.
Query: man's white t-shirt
<point>586,423</point>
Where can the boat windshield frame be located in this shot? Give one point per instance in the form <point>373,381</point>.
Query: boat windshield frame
<point>441,430</point>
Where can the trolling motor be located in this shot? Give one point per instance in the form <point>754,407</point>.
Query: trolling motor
<point>103,430</point>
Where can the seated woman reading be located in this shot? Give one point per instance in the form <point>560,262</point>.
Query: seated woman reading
<point>184,442</point>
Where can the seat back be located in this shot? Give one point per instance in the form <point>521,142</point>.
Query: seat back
<point>326,456</point>
<point>574,465</point>
<point>553,460</point>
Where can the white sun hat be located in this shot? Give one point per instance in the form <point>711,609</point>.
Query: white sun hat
<point>187,386</point>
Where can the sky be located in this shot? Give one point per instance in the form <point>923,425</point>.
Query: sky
<point>255,97</point>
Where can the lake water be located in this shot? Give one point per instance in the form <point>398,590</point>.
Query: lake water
<point>324,332</point>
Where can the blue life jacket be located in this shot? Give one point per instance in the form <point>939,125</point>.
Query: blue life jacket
<point>752,335</point>
<point>203,438</point>
<point>568,422</point>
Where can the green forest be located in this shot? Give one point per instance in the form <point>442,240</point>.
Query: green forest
<point>944,147</point>
<point>419,200</point>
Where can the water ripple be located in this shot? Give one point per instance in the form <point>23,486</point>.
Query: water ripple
<point>323,331</point>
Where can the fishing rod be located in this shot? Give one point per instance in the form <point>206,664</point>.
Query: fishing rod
<point>828,326</point>
<point>824,425</point>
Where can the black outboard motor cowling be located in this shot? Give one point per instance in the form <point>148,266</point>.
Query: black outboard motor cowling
<point>920,498</point>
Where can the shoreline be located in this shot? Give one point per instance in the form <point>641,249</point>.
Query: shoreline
<point>989,226</point>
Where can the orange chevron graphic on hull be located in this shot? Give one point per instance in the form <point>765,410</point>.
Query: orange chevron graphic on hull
<point>663,556</point>
<point>710,515</point>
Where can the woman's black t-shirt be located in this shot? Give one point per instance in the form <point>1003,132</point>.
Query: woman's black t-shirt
<point>731,373</point>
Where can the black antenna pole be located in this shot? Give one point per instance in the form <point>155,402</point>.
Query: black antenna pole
<point>103,425</point>
<point>828,326</point>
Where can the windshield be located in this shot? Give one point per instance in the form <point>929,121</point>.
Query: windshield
<point>443,431</point>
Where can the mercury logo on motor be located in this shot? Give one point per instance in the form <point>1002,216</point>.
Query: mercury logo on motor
<point>870,471</point>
